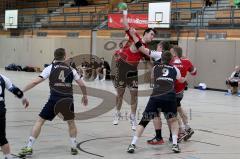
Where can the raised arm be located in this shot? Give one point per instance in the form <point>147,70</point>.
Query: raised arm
<point>125,20</point>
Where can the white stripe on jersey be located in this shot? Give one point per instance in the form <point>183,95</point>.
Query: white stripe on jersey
<point>156,55</point>
<point>8,83</point>
<point>46,73</point>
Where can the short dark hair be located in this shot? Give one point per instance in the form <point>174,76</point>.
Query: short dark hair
<point>166,57</point>
<point>59,54</point>
<point>178,51</point>
<point>165,45</point>
<point>148,30</point>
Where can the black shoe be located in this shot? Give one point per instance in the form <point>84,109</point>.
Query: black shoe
<point>190,132</point>
<point>181,136</point>
<point>74,151</point>
<point>175,148</point>
<point>131,148</point>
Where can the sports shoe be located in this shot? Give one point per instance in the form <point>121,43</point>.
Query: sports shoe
<point>131,148</point>
<point>116,118</point>
<point>26,151</point>
<point>133,123</point>
<point>74,151</point>
<point>228,94</point>
<point>155,141</point>
<point>190,132</point>
<point>103,79</point>
<point>175,148</point>
<point>181,136</point>
<point>238,94</point>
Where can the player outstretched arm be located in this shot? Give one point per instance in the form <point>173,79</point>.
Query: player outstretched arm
<point>125,20</point>
<point>84,91</point>
<point>16,91</point>
<point>33,83</point>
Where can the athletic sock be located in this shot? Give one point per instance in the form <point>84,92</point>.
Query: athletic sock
<point>7,156</point>
<point>31,141</point>
<point>134,140</point>
<point>174,139</point>
<point>158,133</point>
<point>73,142</point>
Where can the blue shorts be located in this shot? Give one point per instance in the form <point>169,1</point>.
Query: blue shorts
<point>62,106</point>
<point>155,106</point>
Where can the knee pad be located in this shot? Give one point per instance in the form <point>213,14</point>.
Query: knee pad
<point>3,140</point>
<point>144,122</point>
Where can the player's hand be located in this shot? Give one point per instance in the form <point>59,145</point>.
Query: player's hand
<point>85,100</point>
<point>25,102</point>
<point>182,79</point>
<point>132,31</point>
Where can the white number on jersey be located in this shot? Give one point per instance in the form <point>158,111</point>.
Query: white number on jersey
<point>165,72</point>
<point>61,76</point>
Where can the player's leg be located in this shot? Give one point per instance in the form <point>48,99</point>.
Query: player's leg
<point>119,100</point>
<point>229,91</point>
<point>27,150</point>
<point>134,101</point>
<point>174,129</point>
<point>47,113</point>
<point>73,135</point>
<point>148,114</point>
<point>157,140</point>
<point>5,147</point>
<point>170,111</point>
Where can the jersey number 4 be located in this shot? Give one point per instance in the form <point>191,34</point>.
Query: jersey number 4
<point>61,76</point>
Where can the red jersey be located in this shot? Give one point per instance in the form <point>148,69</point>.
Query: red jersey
<point>127,55</point>
<point>185,66</point>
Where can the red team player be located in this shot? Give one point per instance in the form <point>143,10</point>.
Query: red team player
<point>185,66</point>
<point>126,74</point>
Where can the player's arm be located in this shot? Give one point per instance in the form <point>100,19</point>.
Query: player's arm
<point>82,87</point>
<point>156,55</point>
<point>192,69</point>
<point>33,83</point>
<point>179,76</point>
<point>44,75</point>
<point>16,91</point>
<point>125,20</point>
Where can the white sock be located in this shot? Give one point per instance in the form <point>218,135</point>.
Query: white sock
<point>174,139</point>
<point>132,116</point>
<point>97,78</point>
<point>7,156</point>
<point>31,141</point>
<point>229,91</point>
<point>134,140</point>
<point>73,142</point>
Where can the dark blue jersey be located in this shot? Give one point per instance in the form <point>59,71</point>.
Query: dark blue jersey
<point>164,82</point>
<point>60,77</point>
<point>2,94</point>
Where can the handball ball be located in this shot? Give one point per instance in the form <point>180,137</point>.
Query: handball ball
<point>122,6</point>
